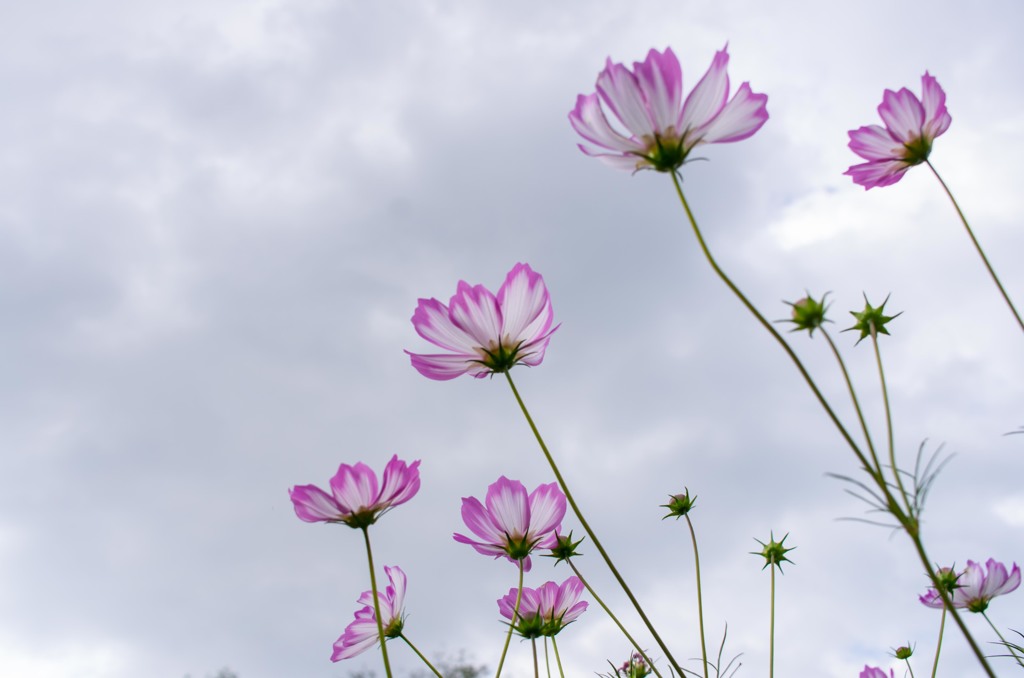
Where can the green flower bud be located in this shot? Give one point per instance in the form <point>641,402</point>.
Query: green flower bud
<point>679,504</point>
<point>564,549</point>
<point>808,314</point>
<point>774,552</point>
<point>871,321</point>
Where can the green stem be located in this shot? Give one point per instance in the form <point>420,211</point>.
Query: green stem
<point>768,326</point>
<point>586,528</point>
<point>879,480</point>
<point>977,246</point>
<point>376,604</point>
<point>938,645</point>
<point>547,658</point>
<point>909,668</point>
<point>512,622</point>
<point>853,398</point>
<point>1005,644</point>
<point>888,426</point>
<point>771,626</point>
<point>536,666</point>
<point>597,599</point>
<point>420,655</point>
<point>700,602</point>
<point>558,658</point>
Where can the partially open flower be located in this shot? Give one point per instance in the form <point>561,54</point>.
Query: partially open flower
<point>483,333</point>
<point>362,633</point>
<point>911,125</point>
<point>874,672</point>
<point>546,610</point>
<point>976,586</point>
<point>355,498</point>
<point>661,129</point>
<point>513,524</point>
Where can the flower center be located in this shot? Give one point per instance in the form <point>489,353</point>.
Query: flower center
<point>666,151</point>
<point>500,356</point>
<point>917,150</point>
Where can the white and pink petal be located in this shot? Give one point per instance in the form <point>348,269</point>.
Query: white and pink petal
<point>474,309</point>
<point>442,367</point>
<point>589,121</point>
<point>708,97</point>
<point>873,142</point>
<point>525,305</point>
<point>620,91</point>
<point>432,321</point>
<point>744,115</point>
<point>661,80</point>
<point>355,487</point>
<point>902,114</point>
<point>314,505</point>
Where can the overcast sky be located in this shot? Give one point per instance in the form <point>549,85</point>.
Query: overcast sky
<point>216,217</point>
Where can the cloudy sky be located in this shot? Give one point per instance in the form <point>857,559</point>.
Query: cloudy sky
<point>216,217</point>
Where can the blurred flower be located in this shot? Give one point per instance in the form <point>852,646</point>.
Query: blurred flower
<point>975,587</point>
<point>808,313</point>
<point>870,672</point>
<point>662,128</point>
<point>634,667</point>
<point>355,498</point>
<point>546,610</point>
<point>486,334</point>
<point>362,633</point>
<point>513,524</point>
<point>911,125</point>
<point>903,652</point>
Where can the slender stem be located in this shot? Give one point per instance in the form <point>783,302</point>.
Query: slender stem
<point>590,532</point>
<point>1001,638</point>
<point>853,398</point>
<point>558,658</point>
<point>536,666</point>
<point>512,623</point>
<point>888,426</point>
<point>977,246</point>
<point>909,667</point>
<point>547,658</point>
<point>771,626</point>
<point>597,598</point>
<point>771,330</point>
<point>700,602</point>
<point>420,655</point>
<point>894,508</point>
<point>376,604</point>
<point>938,644</point>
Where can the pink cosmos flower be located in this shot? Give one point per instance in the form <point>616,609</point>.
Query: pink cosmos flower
<point>546,610</point>
<point>513,523</point>
<point>362,633</point>
<point>871,672</point>
<point>355,498</point>
<point>976,587</point>
<point>662,128</point>
<point>911,125</point>
<point>485,333</point>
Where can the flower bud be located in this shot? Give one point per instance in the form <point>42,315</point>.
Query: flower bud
<point>774,552</point>
<point>808,314</point>
<point>679,504</point>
